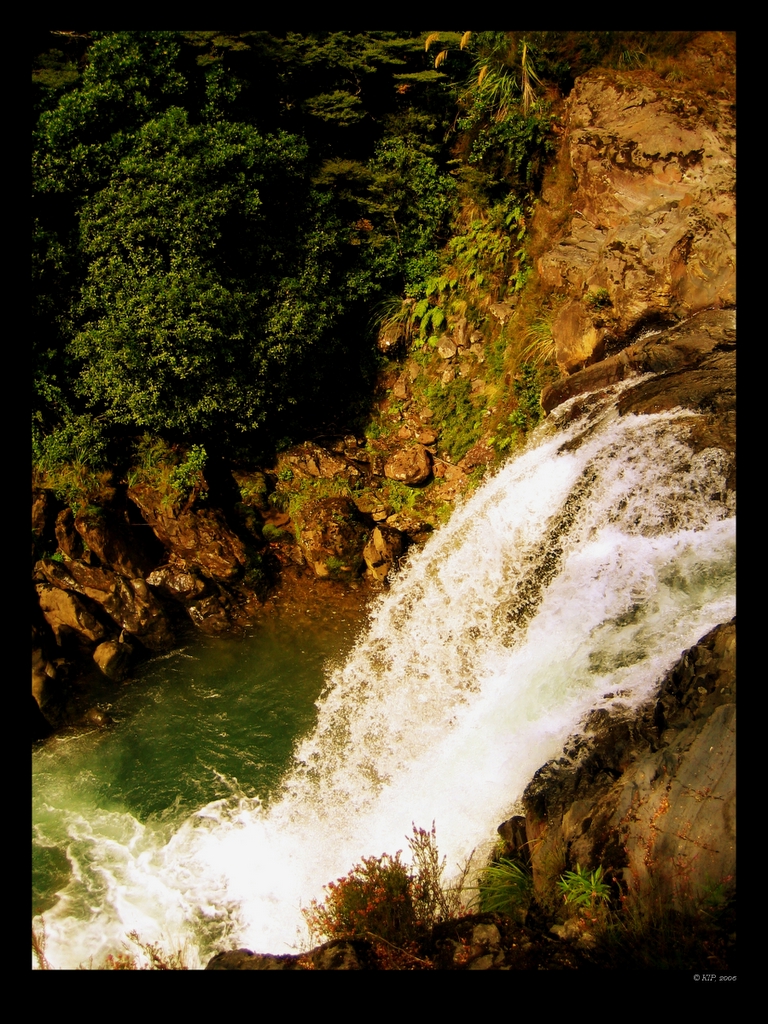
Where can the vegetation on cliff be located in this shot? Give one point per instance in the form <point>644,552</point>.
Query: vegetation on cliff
<point>215,216</point>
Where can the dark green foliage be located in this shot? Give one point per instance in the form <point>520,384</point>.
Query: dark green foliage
<point>199,295</point>
<point>215,215</point>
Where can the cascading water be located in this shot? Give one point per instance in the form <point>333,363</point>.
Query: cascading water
<point>584,566</point>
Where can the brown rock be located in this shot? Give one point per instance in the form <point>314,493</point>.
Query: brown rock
<point>67,612</point>
<point>400,390</point>
<point>130,603</point>
<point>410,466</point>
<point>43,513</point>
<point>113,659</point>
<point>112,541</point>
<point>652,220</point>
<point>706,339</point>
<point>175,580</point>
<point>382,551</point>
<point>69,540</point>
<point>460,332</point>
<point>337,955</point>
<point>648,794</point>
<point>446,348</point>
<point>199,536</point>
<point>502,311</point>
<point>331,537</point>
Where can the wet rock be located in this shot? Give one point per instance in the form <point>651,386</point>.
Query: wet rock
<point>41,727</point>
<point>176,581</point>
<point>704,341</point>
<point>66,612</point>
<point>130,603</point>
<point>44,681</point>
<point>197,536</point>
<point>97,717</point>
<point>112,541</point>
<point>331,537</point>
<point>212,613</point>
<point>648,794</point>
<point>382,551</point>
<point>113,659</point>
<point>515,837</point>
<point>410,466</point>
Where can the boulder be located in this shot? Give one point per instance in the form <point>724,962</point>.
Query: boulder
<point>198,536</point>
<point>113,659</point>
<point>331,537</point>
<point>311,461</point>
<point>502,311</point>
<point>704,343</point>
<point>130,603</point>
<point>410,466</point>
<point>108,535</point>
<point>66,612</point>
<point>44,686</point>
<point>382,551</point>
<point>446,348</point>
<point>336,955</point>
<point>461,332</point>
<point>176,581</point>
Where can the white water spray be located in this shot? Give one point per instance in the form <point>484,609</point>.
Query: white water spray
<point>585,566</point>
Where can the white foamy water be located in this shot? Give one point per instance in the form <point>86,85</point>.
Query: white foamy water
<point>586,565</point>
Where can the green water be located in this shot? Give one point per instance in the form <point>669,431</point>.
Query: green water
<point>215,718</point>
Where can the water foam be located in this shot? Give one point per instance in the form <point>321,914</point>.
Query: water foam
<point>584,566</point>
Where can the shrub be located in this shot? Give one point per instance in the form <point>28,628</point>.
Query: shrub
<point>381,898</point>
<point>375,898</point>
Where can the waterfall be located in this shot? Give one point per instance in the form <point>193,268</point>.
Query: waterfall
<point>582,568</point>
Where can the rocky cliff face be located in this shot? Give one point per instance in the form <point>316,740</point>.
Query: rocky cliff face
<point>649,796</point>
<point>643,202</point>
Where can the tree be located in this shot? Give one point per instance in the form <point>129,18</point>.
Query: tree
<point>207,279</point>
